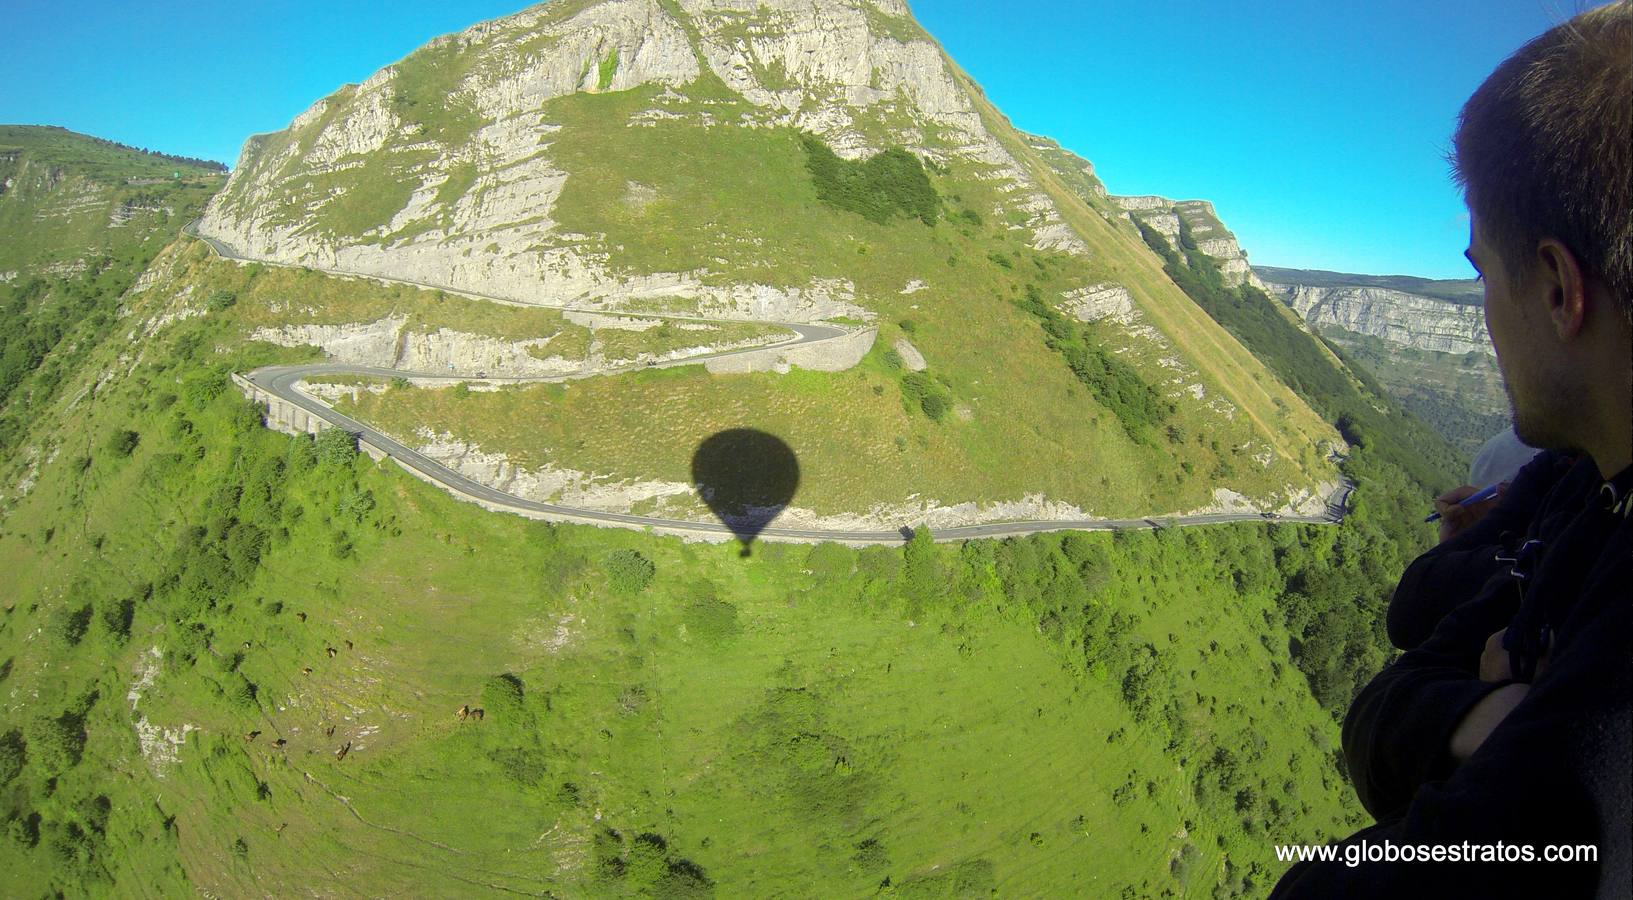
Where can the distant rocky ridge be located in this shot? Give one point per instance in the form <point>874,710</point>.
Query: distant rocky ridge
<point>1360,304</point>
<point>1439,315</point>
<point>67,200</point>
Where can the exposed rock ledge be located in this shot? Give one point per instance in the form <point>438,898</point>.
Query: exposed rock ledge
<point>1407,319</point>
<point>912,359</point>
<point>678,500</point>
<point>386,344</point>
<point>1101,301</point>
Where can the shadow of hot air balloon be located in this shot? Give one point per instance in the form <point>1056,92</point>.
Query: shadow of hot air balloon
<point>747,477</point>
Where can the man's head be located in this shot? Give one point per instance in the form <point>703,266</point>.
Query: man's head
<point>1544,154</point>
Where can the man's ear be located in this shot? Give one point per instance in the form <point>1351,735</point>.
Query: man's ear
<point>1564,287</point>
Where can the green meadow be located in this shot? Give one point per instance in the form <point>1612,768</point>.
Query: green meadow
<point>1063,714</point>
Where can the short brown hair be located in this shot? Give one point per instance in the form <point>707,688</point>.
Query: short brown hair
<point>1544,148</point>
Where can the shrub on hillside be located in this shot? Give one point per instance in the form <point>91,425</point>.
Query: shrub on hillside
<point>56,743</point>
<point>886,184</point>
<point>123,442</point>
<point>116,617</point>
<point>921,570</point>
<point>13,753</point>
<point>712,620</point>
<point>239,691</point>
<point>829,560</point>
<point>502,698</point>
<point>336,447</point>
<point>70,624</point>
<point>921,393</point>
<point>526,766</point>
<point>627,571</point>
<point>356,506</point>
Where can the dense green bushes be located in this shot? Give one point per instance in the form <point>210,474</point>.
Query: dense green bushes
<point>627,571</point>
<point>1115,384</point>
<point>12,756</point>
<point>921,393</point>
<point>123,442</point>
<point>645,867</point>
<point>502,697</point>
<point>884,185</point>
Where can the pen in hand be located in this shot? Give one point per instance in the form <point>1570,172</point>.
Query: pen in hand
<point>1485,493</point>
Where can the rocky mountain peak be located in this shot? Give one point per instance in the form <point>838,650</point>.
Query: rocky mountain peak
<point>1196,221</point>
<point>443,167</point>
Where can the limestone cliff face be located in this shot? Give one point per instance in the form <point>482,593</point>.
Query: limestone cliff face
<point>1403,318</point>
<point>1197,218</point>
<point>440,168</point>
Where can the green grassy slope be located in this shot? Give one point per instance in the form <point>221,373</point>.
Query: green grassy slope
<point>1065,714</point>
<point>81,219</point>
<point>1460,396</point>
<point>743,205</point>
<point>1352,400</point>
<point>64,187</point>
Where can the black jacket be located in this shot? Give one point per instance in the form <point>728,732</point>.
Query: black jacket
<point>1556,771</point>
<point>1452,573</point>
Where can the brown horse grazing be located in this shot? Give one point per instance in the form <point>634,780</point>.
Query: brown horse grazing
<point>329,732</point>
<point>344,749</point>
<point>279,743</point>
<point>301,616</point>
<point>348,645</point>
<point>280,828</point>
<point>463,712</point>
<point>476,714</point>
<point>306,670</point>
<point>331,651</point>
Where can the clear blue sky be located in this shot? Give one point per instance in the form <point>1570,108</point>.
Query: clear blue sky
<point>1317,127</point>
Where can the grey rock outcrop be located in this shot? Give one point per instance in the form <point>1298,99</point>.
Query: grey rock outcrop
<point>481,214</point>
<point>912,359</point>
<point>1101,301</point>
<point>1211,236</point>
<point>387,344</point>
<point>1407,319</point>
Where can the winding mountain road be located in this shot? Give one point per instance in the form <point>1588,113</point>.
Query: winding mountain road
<point>282,381</point>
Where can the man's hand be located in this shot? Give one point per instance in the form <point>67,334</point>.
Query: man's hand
<point>1495,662</point>
<point>1484,718</point>
<point>1455,519</point>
